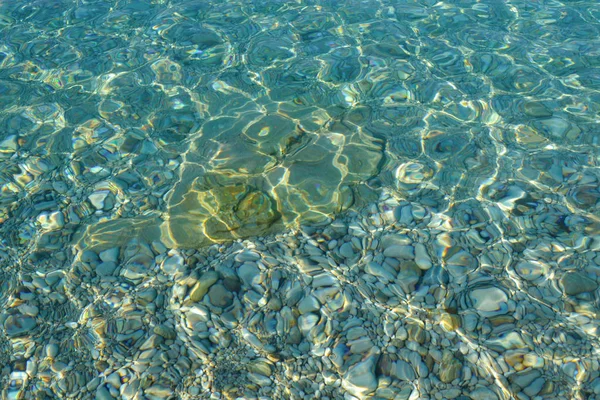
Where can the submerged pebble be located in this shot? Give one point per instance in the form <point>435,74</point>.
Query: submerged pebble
<point>299,200</point>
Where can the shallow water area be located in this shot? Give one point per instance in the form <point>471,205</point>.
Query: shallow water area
<point>299,200</point>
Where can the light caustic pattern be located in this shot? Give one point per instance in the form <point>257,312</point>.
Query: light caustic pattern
<point>462,135</point>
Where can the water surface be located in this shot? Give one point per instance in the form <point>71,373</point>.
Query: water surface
<point>181,124</point>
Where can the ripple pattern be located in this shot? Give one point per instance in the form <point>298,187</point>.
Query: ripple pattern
<point>309,199</point>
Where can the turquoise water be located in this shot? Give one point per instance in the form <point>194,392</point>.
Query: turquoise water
<point>202,198</point>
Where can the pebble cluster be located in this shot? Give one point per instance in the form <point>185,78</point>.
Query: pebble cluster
<point>384,303</point>
<point>455,142</point>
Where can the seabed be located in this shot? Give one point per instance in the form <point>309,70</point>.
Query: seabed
<point>299,200</point>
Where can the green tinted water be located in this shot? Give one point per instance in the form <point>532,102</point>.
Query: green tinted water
<point>188,123</point>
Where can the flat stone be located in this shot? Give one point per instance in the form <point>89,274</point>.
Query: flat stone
<point>377,270</point>
<point>403,371</point>
<point>324,279</point>
<point>103,394</point>
<point>399,251</point>
<point>248,273</point>
<point>232,283</point>
<point>483,393</point>
<point>355,333</point>
<point>242,212</point>
<point>159,391</point>
<point>308,304</point>
<point>18,325</point>
<point>97,198</point>
<point>274,304</point>
<point>247,256</point>
<point>595,385</point>
<point>533,360</point>
<point>259,379</point>
<point>204,283</point>
<point>534,387</point>
<point>574,283</point>
<point>106,268</point>
<point>536,109</point>
<point>416,333</point>
<point>489,301</point>
<point>93,384</point>
<point>294,337</point>
<point>361,346</point>
<point>409,276</point>
<point>114,379</point>
<point>449,394</point>
<point>130,389</point>
<point>165,331</point>
<point>110,255</point>
<point>525,378</point>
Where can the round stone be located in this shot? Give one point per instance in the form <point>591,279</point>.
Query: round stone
<point>52,350</point>
<point>219,296</point>
<point>346,250</point>
<point>489,301</point>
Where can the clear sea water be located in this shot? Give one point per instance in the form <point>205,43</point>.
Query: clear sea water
<point>181,124</point>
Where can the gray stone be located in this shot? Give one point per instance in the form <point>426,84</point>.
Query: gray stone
<point>219,296</point>
<point>536,109</point>
<point>294,337</point>
<point>534,387</point>
<point>403,371</point>
<point>595,385</point>
<point>88,256</point>
<point>106,268</point>
<point>110,255</point>
<point>103,394</point>
<point>173,265</point>
<point>17,325</point>
<point>307,321</point>
<point>52,350</point>
<point>248,273</point>
<point>204,283</point>
<point>346,250</point>
<point>247,256</point>
<point>524,378</point>
<point>399,251</point>
<point>93,384</point>
<point>421,257</point>
<point>574,283</point>
<point>377,270</point>
<point>450,368</point>
<point>165,331</point>
<point>324,279</point>
<point>232,283</point>
<point>308,304</point>
<point>159,391</point>
<point>483,393</point>
<point>360,379</point>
